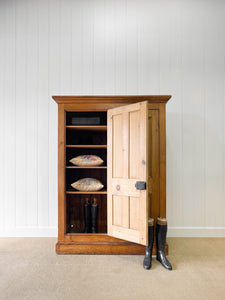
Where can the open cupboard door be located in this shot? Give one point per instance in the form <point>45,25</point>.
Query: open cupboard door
<point>127,173</point>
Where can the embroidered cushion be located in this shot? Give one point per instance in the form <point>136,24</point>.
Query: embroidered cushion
<point>87,160</point>
<point>87,184</point>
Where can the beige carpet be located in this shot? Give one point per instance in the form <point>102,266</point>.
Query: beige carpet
<point>30,269</point>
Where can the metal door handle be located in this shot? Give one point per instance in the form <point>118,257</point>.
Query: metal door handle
<point>140,185</point>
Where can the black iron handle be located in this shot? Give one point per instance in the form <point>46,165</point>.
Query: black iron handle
<point>140,185</point>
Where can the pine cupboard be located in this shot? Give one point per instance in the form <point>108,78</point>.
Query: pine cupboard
<point>129,134</point>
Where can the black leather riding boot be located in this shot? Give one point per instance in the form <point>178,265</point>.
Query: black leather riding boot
<point>87,217</point>
<point>94,216</point>
<point>147,262</point>
<point>161,230</point>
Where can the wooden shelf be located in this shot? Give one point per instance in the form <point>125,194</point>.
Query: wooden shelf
<point>86,146</point>
<point>86,167</point>
<point>79,192</point>
<point>86,234</point>
<point>87,127</point>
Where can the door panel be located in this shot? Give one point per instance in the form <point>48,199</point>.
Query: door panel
<point>134,213</point>
<point>117,144</point>
<point>127,164</point>
<point>134,139</point>
<point>120,211</point>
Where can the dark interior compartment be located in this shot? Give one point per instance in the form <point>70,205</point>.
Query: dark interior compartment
<point>72,176</point>
<point>75,213</point>
<point>86,137</point>
<point>86,118</point>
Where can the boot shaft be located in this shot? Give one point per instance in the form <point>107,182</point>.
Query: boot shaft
<point>87,217</point>
<point>151,233</point>
<point>161,231</point>
<point>94,217</point>
<point>147,263</point>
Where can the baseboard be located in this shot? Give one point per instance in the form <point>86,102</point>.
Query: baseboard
<point>172,232</point>
<point>196,232</point>
<point>30,232</point>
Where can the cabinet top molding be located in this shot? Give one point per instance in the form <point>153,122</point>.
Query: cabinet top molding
<point>114,98</point>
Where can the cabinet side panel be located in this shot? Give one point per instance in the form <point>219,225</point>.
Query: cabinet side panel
<point>153,160</point>
<point>61,172</point>
<point>162,166</point>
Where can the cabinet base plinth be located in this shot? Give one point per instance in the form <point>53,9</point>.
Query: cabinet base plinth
<point>103,248</point>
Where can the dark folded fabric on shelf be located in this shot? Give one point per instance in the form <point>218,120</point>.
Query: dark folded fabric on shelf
<point>86,120</point>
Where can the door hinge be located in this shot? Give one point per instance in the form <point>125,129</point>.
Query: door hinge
<point>140,185</point>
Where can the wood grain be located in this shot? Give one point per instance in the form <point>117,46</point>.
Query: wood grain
<point>80,192</point>
<point>86,167</point>
<point>144,121</point>
<point>111,99</point>
<point>103,248</point>
<point>154,163</point>
<point>86,146</point>
<point>61,172</point>
<point>126,122</point>
<point>92,128</point>
<point>162,166</point>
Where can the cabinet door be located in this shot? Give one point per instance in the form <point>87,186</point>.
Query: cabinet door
<point>127,206</point>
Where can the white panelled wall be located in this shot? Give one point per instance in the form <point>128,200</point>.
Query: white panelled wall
<point>97,47</point>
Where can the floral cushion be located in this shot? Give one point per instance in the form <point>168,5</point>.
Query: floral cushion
<point>87,184</point>
<point>87,160</point>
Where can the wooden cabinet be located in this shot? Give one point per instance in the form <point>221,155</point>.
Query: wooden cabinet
<point>128,133</point>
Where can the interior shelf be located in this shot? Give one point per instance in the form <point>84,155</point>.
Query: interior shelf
<point>87,127</point>
<point>86,134</point>
<point>87,234</point>
<point>86,167</point>
<point>86,146</point>
<point>85,192</point>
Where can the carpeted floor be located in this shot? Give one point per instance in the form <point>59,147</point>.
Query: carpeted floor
<point>30,269</point>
